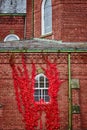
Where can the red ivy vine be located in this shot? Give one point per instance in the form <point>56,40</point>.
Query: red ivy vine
<point>24,90</point>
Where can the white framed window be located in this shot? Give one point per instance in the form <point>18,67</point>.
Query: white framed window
<point>41,88</point>
<point>11,37</point>
<point>46,17</point>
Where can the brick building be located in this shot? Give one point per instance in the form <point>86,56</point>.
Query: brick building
<point>53,28</point>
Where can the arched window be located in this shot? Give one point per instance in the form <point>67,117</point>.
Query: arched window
<point>41,88</point>
<point>11,37</point>
<point>46,16</point>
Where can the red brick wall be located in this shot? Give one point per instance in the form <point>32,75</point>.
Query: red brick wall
<point>29,20</point>
<point>37,18</point>
<point>69,20</point>
<point>56,20</point>
<point>79,71</point>
<point>11,119</point>
<point>11,25</point>
<point>74,26</point>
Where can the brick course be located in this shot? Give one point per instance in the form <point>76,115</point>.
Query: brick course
<point>69,20</point>
<point>11,25</point>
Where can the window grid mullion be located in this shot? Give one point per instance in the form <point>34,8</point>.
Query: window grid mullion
<point>44,87</point>
<point>42,94</point>
<point>39,87</point>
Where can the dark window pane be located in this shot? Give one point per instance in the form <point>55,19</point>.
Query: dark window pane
<point>41,82</point>
<point>36,98</point>
<point>42,79</point>
<point>37,92</point>
<point>41,85</point>
<point>36,85</point>
<point>46,80</point>
<point>43,96</point>
<point>46,92</point>
<point>47,98</point>
<point>47,85</point>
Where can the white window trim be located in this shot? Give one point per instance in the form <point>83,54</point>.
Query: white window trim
<point>11,35</point>
<point>42,18</point>
<point>39,75</point>
<point>42,14</point>
<point>44,88</point>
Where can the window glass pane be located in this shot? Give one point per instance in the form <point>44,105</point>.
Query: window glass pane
<point>47,17</point>
<point>46,80</point>
<point>47,3</point>
<point>47,23</point>
<point>36,98</point>
<point>46,92</point>
<point>37,92</point>
<point>41,82</point>
<point>42,85</point>
<point>11,37</point>
<point>47,98</point>
<point>40,93</point>
<point>43,97</point>
<point>48,11</point>
<point>41,79</point>
<point>47,30</point>
<point>36,85</point>
<point>47,83</point>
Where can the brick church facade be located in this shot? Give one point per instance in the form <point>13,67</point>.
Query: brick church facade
<point>55,29</point>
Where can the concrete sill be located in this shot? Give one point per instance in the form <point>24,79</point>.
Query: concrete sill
<point>46,35</point>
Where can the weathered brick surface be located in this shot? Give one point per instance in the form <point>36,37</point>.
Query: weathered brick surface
<point>11,25</point>
<point>56,20</point>
<point>74,27</point>
<point>29,21</point>
<point>79,71</point>
<point>69,21</point>
<point>11,119</point>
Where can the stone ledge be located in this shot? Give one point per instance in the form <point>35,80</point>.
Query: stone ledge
<point>46,45</point>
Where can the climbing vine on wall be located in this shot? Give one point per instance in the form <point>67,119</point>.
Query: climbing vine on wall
<point>24,90</point>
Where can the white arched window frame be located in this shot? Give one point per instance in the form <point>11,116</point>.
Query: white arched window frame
<point>41,88</point>
<point>46,17</point>
<point>11,37</point>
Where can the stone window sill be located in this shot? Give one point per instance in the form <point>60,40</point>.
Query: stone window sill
<point>46,35</point>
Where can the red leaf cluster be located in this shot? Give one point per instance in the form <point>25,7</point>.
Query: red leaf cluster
<point>24,90</point>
